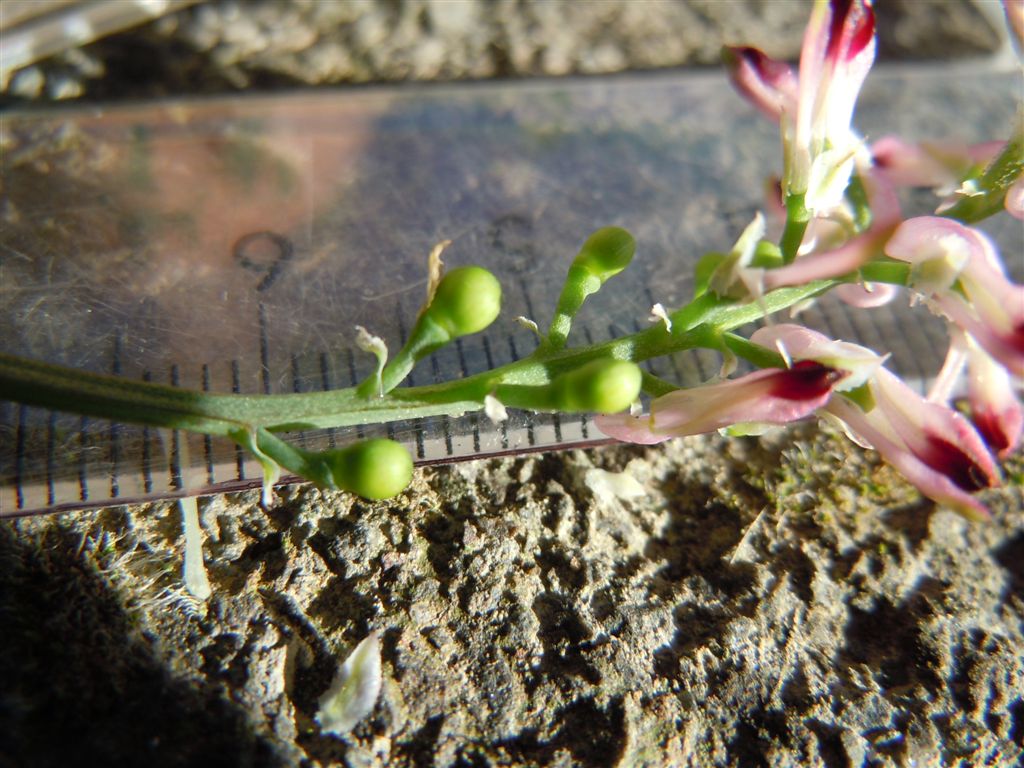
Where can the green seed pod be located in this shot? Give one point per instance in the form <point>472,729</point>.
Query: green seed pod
<point>606,252</point>
<point>374,469</point>
<point>600,386</point>
<point>467,300</point>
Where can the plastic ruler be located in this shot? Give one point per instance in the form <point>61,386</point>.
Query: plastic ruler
<point>233,244</point>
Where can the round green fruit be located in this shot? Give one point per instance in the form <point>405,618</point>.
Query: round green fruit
<point>600,386</point>
<point>467,300</point>
<point>374,469</point>
<point>606,252</point>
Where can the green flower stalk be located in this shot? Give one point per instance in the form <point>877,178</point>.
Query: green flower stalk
<point>604,254</point>
<point>465,301</point>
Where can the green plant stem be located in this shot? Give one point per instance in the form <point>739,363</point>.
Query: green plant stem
<point>699,324</point>
<point>578,286</point>
<point>993,183</point>
<point>656,387</point>
<point>760,356</point>
<point>797,219</point>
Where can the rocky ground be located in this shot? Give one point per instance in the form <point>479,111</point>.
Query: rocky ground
<point>782,601</point>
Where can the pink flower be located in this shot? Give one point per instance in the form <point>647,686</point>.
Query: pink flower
<point>795,342</point>
<point>939,165</point>
<point>769,396</point>
<point>995,409</point>
<point>931,445</point>
<point>866,295</point>
<point>958,268</point>
<point>934,447</point>
<point>820,145</point>
<point>769,85</point>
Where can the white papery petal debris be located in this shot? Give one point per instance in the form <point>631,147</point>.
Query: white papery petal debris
<point>608,486</point>
<point>435,270</point>
<point>196,581</point>
<point>271,469</point>
<point>494,409</point>
<point>354,691</point>
<point>367,342</point>
<point>658,313</point>
<point>529,325</point>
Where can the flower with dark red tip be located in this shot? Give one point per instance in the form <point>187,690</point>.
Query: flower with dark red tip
<point>959,270</point>
<point>769,85</point>
<point>815,109</point>
<point>770,396</point>
<point>995,408</point>
<point>767,397</point>
<point>930,444</point>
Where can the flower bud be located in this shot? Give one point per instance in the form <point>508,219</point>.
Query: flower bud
<point>601,386</point>
<point>606,252</point>
<point>467,300</point>
<point>373,469</point>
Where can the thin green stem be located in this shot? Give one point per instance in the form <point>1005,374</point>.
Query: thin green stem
<point>655,386</point>
<point>61,388</point>
<point>797,219</point>
<point>993,183</point>
<point>760,356</point>
<point>579,285</point>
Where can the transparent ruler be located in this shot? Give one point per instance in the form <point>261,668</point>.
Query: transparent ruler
<point>233,244</point>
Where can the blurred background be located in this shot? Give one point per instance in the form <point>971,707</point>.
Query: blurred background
<point>122,49</point>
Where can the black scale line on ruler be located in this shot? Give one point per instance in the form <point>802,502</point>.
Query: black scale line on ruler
<point>695,354</point>
<point>530,437</point>
<point>51,458</point>
<point>353,381</point>
<point>264,348</point>
<point>19,459</point>
<point>446,422</point>
<point>389,427</point>
<point>115,427</point>
<point>475,418</point>
<point>83,480</point>
<point>503,426</point>
<point>421,449</point>
<point>584,418</point>
<point>147,456</point>
<point>236,388</point>
<point>297,389</point>
<point>207,440</point>
<point>176,479</point>
<point>526,298</point>
<point>325,383</point>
